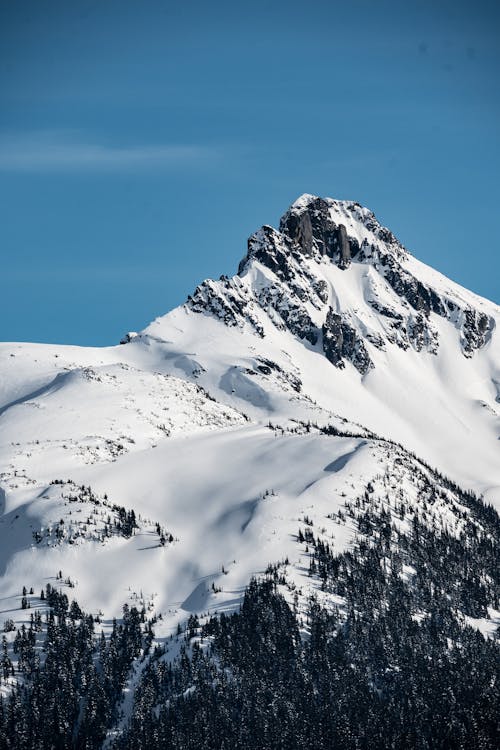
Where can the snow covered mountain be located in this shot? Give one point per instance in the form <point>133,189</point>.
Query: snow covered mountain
<point>332,316</point>
<point>256,425</point>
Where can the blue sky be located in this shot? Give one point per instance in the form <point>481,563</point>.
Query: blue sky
<point>141,143</point>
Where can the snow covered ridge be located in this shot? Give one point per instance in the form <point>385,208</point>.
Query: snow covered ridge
<point>291,276</point>
<point>94,414</point>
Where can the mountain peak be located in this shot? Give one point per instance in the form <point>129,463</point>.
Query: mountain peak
<point>338,280</point>
<point>317,228</point>
<point>339,229</point>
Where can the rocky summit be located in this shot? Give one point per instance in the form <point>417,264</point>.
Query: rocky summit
<point>287,275</point>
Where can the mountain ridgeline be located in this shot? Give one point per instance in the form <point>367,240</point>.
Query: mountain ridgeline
<point>316,232</point>
<point>268,520</point>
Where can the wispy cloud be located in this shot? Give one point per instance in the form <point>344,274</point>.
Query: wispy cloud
<point>50,151</point>
<point>103,273</point>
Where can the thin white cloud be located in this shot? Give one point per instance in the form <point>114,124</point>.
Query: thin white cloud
<point>104,274</point>
<point>42,152</point>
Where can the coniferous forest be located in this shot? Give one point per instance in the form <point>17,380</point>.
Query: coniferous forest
<point>399,665</point>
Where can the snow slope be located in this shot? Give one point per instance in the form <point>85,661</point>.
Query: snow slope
<point>321,327</point>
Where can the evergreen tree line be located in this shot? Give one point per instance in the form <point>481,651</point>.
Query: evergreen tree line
<point>397,667</point>
<point>67,694</point>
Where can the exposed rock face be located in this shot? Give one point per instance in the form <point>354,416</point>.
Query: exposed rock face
<point>287,313</point>
<point>272,249</point>
<point>130,336</point>
<point>302,233</point>
<point>224,303</point>
<point>340,342</point>
<point>421,335</point>
<point>476,330</point>
<point>284,280</point>
<point>311,229</point>
<point>333,339</point>
<point>343,246</point>
<point>314,231</point>
<point>419,296</point>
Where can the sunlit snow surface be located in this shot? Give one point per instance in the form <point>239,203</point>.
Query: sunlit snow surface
<point>175,425</point>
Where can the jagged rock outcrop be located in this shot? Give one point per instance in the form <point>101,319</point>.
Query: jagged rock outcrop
<point>299,229</point>
<point>273,250</point>
<point>224,301</point>
<point>341,342</point>
<point>476,329</point>
<point>344,247</point>
<point>314,231</point>
<point>421,335</point>
<point>284,281</point>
